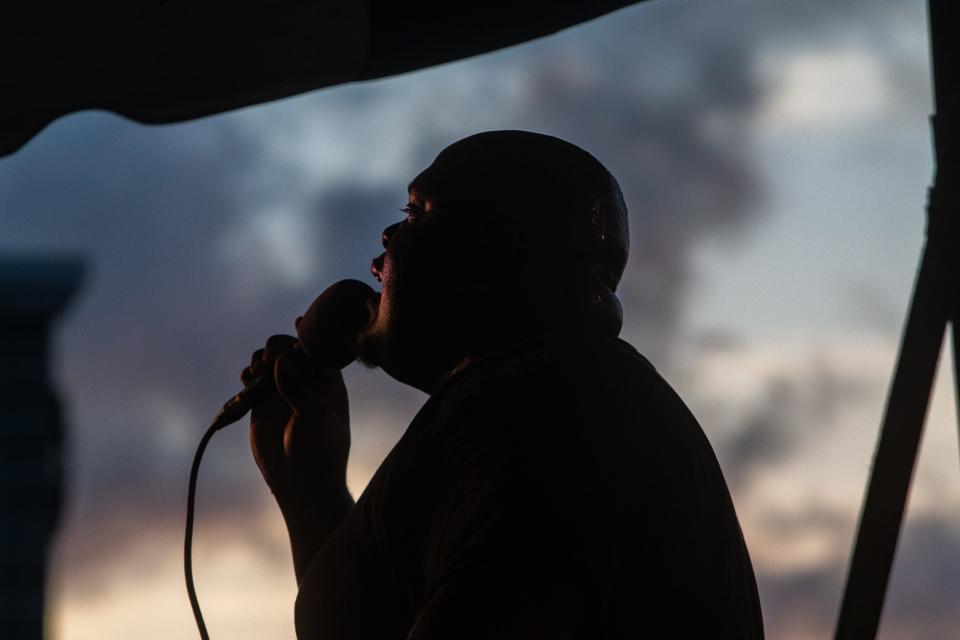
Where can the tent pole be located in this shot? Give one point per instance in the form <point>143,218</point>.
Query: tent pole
<point>955,324</point>
<point>935,298</point>
<point>896,452</point>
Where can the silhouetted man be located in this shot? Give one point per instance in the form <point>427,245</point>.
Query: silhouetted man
<point>553,486</point>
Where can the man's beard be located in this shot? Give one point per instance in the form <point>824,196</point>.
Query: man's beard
<point>371,348</point>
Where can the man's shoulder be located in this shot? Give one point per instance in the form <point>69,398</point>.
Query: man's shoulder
<point>593,400</point>
<point>559,376</point>
<point>562,393</point>
<point>549,363</point>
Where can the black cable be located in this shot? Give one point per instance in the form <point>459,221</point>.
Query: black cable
<point>188,538</point>
<point>233,410</point>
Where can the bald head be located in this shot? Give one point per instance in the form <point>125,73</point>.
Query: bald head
<point>559,199</point>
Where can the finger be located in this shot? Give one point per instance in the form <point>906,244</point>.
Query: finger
<point>276,345</point>
<point>267,422</point>
<point>246,376</point>
<point>291,380</point>
<point>257,365</point>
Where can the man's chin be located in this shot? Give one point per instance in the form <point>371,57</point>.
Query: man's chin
<point>370,350</point>
<point>376,351</point>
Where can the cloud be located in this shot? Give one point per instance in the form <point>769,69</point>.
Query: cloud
<point>269,249</point>
<point>794,435</point>
<point>924,591</point>
<point>765,405</point>
<point>826,89</point>
<point>922,598</point>
<point>871,308</point>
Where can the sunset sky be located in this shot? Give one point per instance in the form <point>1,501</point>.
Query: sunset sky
<point>774,156</point>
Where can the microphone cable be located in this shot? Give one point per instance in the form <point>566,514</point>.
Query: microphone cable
<point>188,538</point>
<point>233,410</point>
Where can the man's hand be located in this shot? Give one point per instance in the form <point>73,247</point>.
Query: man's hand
<point>300,437</point>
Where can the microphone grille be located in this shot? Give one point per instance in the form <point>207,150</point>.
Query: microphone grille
<point>329,327</point>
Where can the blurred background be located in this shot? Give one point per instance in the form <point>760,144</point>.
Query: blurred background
<point>774,156</point>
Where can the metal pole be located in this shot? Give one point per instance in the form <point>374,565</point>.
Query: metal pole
<point>955,323</point>
<point>935,298</point>
<point>896,452</point>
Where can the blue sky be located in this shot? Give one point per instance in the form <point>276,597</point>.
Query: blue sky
<point>774,157</point>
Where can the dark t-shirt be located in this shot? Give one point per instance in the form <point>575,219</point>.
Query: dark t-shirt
<point>560,461</point>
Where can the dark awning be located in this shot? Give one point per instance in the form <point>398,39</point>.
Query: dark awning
<point>172,60</point>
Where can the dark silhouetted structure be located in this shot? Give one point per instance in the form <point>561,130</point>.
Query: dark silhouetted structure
<point>33,291</point>
<point>935,305</point>
<point>172,61</point>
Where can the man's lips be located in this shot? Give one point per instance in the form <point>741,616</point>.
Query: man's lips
<point>376,267</point>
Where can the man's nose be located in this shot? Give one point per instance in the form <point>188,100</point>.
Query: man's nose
<point>388,233</point>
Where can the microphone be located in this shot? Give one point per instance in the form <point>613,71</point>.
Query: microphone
<point>327,333</point>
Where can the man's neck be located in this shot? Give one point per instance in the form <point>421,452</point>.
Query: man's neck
<point>434,383</point>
